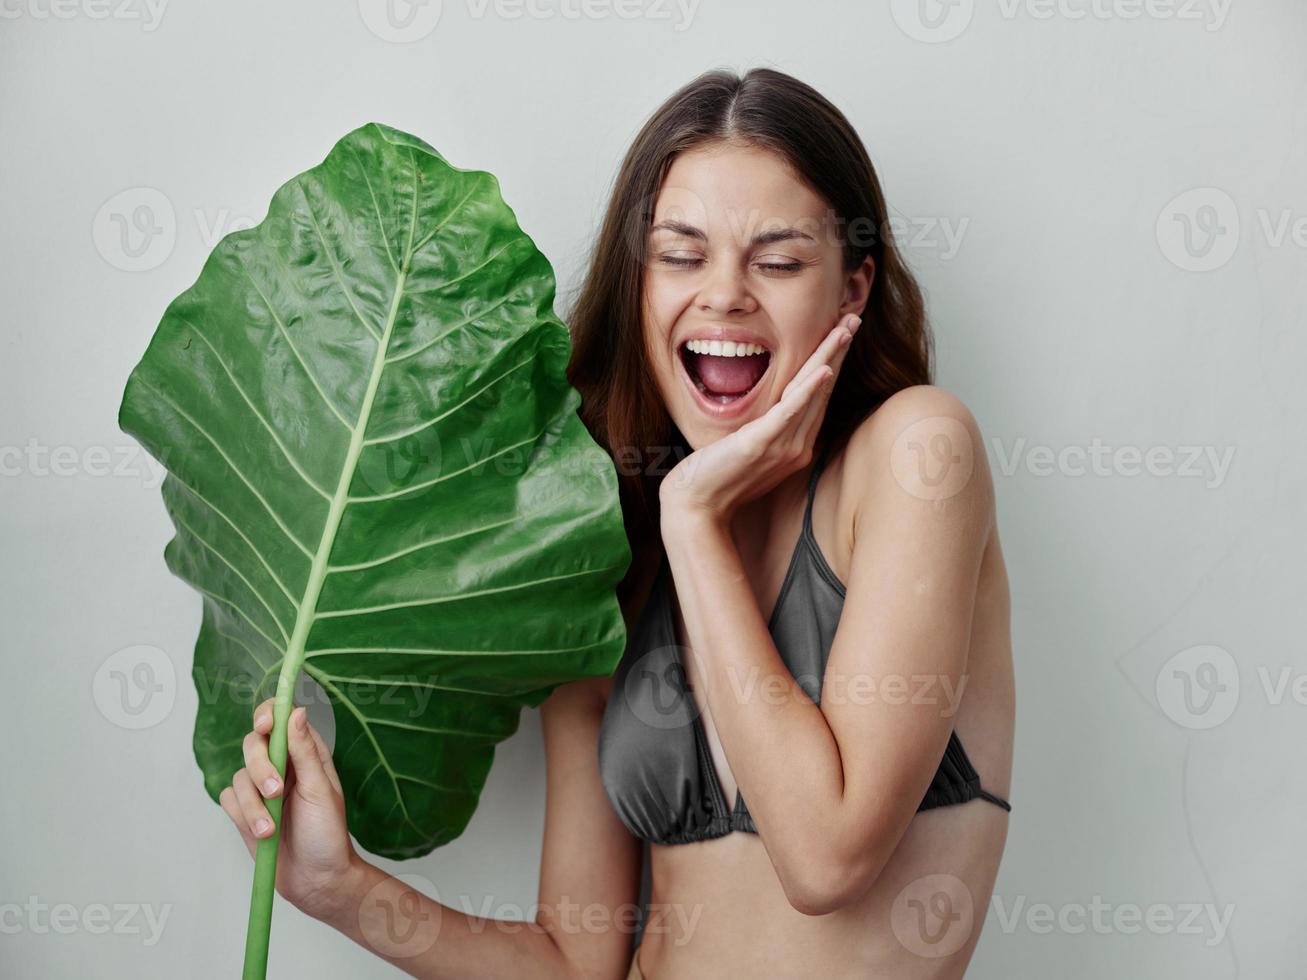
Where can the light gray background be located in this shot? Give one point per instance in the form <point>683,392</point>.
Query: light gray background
<point>1063,146</point>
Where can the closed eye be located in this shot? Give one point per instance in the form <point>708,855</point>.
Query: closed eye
<point>769,266</point>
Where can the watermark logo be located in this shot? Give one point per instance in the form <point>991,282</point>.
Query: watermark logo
<point>657,689</point>
<point>400,21</point>
<point>933,458</point>
<point>932,21</point>
<point>395,920</point>
<point>1198,231</point>
<point>136,229</point>
<point>933,916</point>
<point>1201,229</point>
<point>1198,688</point>
<point>135,687</point>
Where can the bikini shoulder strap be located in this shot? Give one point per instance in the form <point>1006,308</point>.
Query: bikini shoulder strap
<point>812,488</point>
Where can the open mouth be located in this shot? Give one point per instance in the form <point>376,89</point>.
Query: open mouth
<point>728,375</point>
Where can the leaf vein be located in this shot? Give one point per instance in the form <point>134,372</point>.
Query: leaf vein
<point>460,596</point>
<point>393,494</point>
<point>381,222</point>
<point>234,468</point>
<point>335,267</point>
<point>259,415</point>
<point>313,378</point>
<point>257,553</point>
<point>414,430</point>
<point>285,637</point>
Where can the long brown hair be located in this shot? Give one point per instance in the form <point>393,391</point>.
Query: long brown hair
<point>620,402</point>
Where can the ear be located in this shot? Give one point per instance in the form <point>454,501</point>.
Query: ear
<point>857,287</point>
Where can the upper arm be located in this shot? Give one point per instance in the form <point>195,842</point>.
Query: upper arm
<point>590,865</point>
<point>899,655</point>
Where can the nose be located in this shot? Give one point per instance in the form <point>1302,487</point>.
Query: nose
<point>725,290</point>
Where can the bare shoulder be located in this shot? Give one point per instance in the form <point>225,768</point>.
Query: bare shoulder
<point>921,444</point>
<point>923,439</point>
<point>908,408</point>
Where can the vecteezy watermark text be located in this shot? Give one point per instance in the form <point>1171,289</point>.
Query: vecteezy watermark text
<point>401,916</point>
<point>39,459</point>
<point>148,12</point>
<point>939,21</point>
<point>65,918</point>
<point>406,21</point>
<point>1106,918</point>
<point>1099,459</point>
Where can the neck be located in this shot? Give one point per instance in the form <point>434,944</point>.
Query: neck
<point>753,522</point>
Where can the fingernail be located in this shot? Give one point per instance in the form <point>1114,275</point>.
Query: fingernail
<point>262,827</point>
<point>301,719</point>
<point>855,323</point>
<point>270,785</point>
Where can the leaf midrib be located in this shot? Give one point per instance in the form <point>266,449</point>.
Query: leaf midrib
<point>307,614</point>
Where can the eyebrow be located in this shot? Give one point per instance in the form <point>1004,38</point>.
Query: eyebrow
<point>762,238</point>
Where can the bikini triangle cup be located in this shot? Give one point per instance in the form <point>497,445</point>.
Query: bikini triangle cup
<point>654,760</point>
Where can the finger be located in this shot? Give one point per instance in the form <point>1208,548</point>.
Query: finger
<point>809,422</point>
<point>805,430</point>
<point>260,767</point>
<point>328,763</point>
<point>310,774</point>
<point>778,423</point>
<point>227,799</point>
<point>253,811</point>
<point>803,396</point>
<point>824,353</point>
<point>263,716</point>
<point>811,418</point>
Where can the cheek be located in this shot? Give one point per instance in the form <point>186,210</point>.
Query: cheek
<point>804,301</point>
<point>663,306</point>
<point>666,295</point>
<point>657,327</point>
<point>803,318</point>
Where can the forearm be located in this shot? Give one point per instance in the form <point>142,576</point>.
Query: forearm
<point>426,939</point>
<point>780,747</point>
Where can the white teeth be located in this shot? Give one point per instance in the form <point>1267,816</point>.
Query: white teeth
<point>724,348</point>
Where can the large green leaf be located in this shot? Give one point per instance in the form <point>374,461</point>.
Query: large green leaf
<point>376,472</point>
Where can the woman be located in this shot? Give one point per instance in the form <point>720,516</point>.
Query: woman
<point>817,606</point>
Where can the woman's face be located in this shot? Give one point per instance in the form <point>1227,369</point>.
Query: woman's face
<point>740,252</point>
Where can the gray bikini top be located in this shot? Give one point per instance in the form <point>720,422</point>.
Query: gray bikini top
<point>653,752</point>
